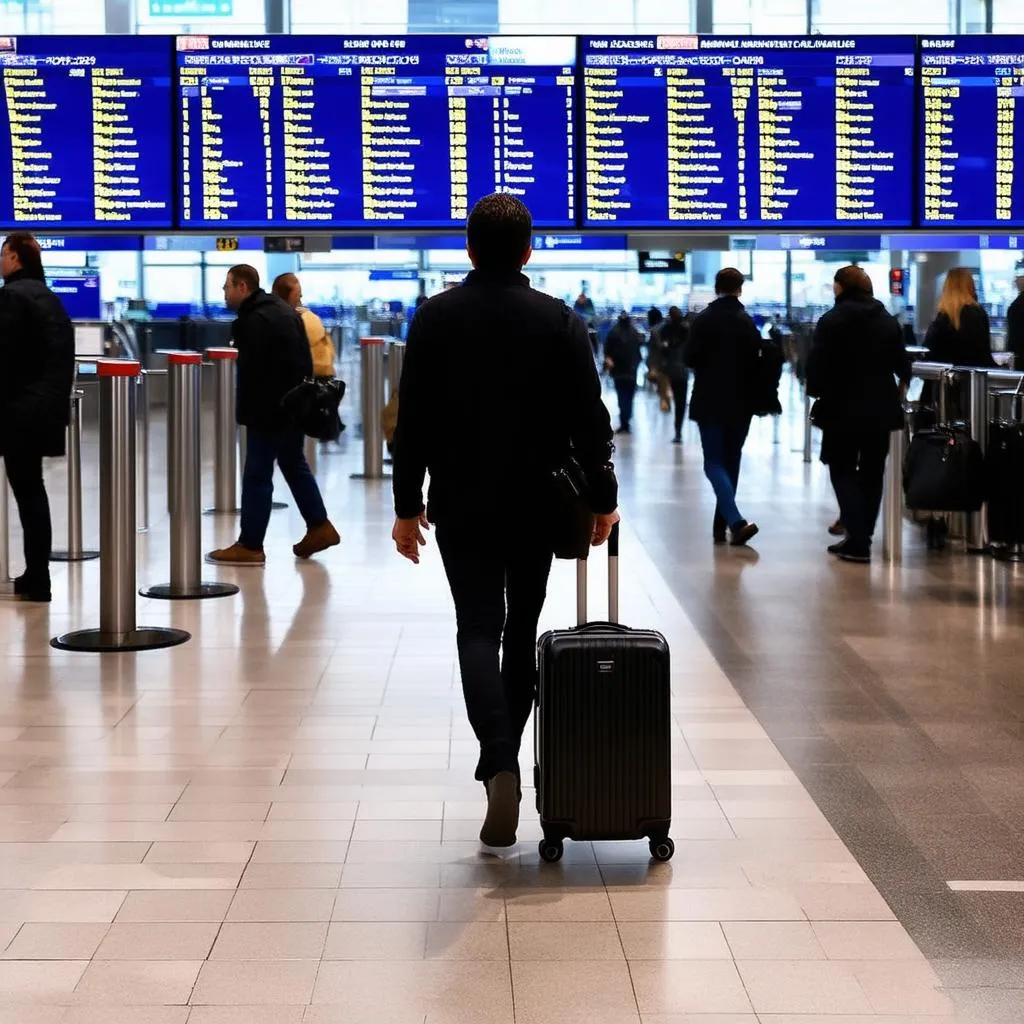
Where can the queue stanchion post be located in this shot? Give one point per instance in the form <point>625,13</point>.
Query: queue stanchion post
<point>74,551</point>
<point>142,449</point>
<point>118,629</point>
<point>184,428</point>
<point>6,583</point>
<point>892,502</point>
<point>396,363</point>
<point>977,522</point>
<point>372,401</point>
<point>808,444</point>
<point>226,445</point>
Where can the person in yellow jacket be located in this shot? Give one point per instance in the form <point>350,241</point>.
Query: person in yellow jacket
<point>287,287</point>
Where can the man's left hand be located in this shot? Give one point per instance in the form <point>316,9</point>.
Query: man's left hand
<point>408,536</point>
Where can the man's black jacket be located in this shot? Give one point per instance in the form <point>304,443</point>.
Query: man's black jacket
<point>273,356</point>
<point>38,343</point>
<point>855,360</point>
<point>499,384</point>
<point>1015,330</point>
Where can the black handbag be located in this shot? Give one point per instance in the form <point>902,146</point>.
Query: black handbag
<point>313,407</point>
<point>570,520</point>
<point>944,471</point>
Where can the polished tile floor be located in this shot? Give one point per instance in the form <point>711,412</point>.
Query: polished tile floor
<point>276,823</point>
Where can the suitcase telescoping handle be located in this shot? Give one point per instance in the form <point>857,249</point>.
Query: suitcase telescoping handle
<point>613,582</point>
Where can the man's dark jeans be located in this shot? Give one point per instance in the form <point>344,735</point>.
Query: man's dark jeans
<point>264,447</point>
<point>856,464</point>
<point>498,586</point>
<point>25,474</point>
<point>626,390</point>
<point>723,451</point>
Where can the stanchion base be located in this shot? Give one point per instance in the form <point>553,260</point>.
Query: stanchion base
<point>363,476</point>
<point>98,641</point>
<point>168,592</point>
<point>221,511</point>
<point>66,556</point>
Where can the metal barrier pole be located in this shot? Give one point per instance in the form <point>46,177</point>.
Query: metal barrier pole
<point>225,444</point>
<point>118,630</point>
<point>74,552</point>
<point>372,393</point>
<point>807,427</point>
<point>6,583</point>
<point>184,427</point>
<point>396,362</point>
<point>142,449</point>
<point>977,523</point>
<point>892,502</point>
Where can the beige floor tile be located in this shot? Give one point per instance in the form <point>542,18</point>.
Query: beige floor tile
<point>158,941</point>
<point>174,907</point>
<point>56,942</point>
<point>143,876</point>
<point>688,987</point>
<point>305,831</point>
<point>264,941</point>
<point>773,940</point>
<point>8,929</point>
<point>705,905</point>
<point>272,905</point>
<point>901,987</point>
<point>35,981</point>
<point>673,940</point>
<point>300,852</point>
<point>371,940</point>
<point>577,991</point>
<point>32,1014</point>
<point>392,876</point>
<point>291,876</point>
<point>139,983</point>
<point>247,1015</point>
<point>718,1018</point>
<point>467,940</point>
<point>372,831</point>
<point>199,853</point>
<point>865,940</point>
<point>255,983</point>
<point>842,903</point>
<point>556,905</point>
<point>220,812</point>
<point>126,1015</point>
<point>387,905</point>
<point>338,811</point>
<point>807,986</point>
<point>60,907</point>
<point>485,905</point>
<point>546,941</point>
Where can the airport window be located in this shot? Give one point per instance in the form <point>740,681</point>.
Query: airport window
<point>52,17</point>
<point>883,16</point>
<point>1007,16</point>
<point>775,17</point>
<point>344,16</point>
<point>160,17</point>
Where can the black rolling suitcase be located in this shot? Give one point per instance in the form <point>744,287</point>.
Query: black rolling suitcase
<point>603,730</point>
<point>1005,464</point>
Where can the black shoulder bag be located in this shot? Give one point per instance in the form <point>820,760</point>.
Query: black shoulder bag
<point>313,406</point>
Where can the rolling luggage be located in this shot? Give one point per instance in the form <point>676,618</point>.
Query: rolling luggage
<point>603,728</point>
<point>1005,463</point>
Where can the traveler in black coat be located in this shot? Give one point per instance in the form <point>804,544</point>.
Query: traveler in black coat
<point>856,359</point>
<point>38,340</point>
<point>273,357</point>
<point>674,335</point>
<point>622,358</point>
<point>723,352</point>
<point>491,430</point>
<point>1015,326</point>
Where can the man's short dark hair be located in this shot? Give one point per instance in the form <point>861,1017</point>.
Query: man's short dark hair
<point>729,281</point>
<point>244,274</point>
<point>283,285</point>
<point>24,245</point>
<point>499,231</point>
<point>854,279</point>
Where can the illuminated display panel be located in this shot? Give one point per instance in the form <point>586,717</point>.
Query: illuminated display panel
<point>327,131</point>
<point>85,132</point>
<point>775,132</point>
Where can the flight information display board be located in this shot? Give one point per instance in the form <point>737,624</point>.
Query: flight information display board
<point>400,131</point>
<point>85,132</point>
<point>972,122</point>
<point>776,132</point>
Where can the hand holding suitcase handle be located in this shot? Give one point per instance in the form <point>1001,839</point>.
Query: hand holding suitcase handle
<point>613,582</point>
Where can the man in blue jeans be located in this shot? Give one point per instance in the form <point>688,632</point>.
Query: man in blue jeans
<point>723,351</point>
<point>273,357</point>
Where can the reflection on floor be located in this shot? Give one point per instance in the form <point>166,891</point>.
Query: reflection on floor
<point>276,823</point>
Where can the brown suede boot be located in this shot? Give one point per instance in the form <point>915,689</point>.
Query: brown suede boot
<point>317,539</point>
<point>237,555</point>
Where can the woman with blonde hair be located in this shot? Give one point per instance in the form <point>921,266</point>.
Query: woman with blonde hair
<point>960,333</point>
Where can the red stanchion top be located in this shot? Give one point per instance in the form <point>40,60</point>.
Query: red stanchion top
<point>221,353</point>
<point>184,358</point>
<point>374,341</point>
<point>118,368</point>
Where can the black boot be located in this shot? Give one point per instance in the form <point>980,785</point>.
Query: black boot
<point>718,529</point>
<point>33,589</point>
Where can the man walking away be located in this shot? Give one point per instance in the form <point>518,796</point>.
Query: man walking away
<point>622,358</point>
<point>38,344</point>
<point>723,352</point>
<point>1015,323</point>
<point>491,453</point>
<point>674,335</point>
<point>855,360</point>
<point>273,357</point>
<point>321,348</point>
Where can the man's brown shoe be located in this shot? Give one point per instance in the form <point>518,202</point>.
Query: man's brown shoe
<point>317,539</point>
<point>238,555</point>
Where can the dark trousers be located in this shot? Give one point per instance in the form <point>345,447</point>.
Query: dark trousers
<point>856,463</point>
<point>626,390</point>
<point>679,384</point>
<point>499,587</point>
<point>264,447</point>
<point>25,474</point>
<point>723,450</point>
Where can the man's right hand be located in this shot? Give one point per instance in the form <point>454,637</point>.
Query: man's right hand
<point>603,527</point>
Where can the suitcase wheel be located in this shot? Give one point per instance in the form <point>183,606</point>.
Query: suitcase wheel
<point>551,850</point>
<point>662,849</point>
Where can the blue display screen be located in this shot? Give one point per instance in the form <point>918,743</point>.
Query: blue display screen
<point>972,130</point>
<point>80,295</point>
<point>83,132</point>
<point>402,131</point>
<point>775,132</point>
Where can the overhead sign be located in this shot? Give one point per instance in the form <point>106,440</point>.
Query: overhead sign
<point>589,243</point>
<point>191,8</point>
<point>394,275</point>
<point>421,241</point>
<point>954,243</point>
<point>90,243</point>
<point>814,242</point>
<point>79,294</point>
<point>202,243</point>
<point>661,261</point>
